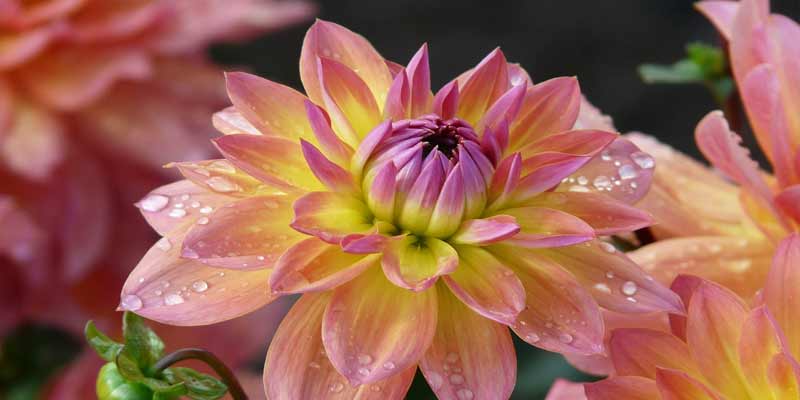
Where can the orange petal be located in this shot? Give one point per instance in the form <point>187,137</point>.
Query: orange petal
<point>221,177</point>
<point>484,84</point>
<point>297,367</point>
<point>487,286</point>
<point>272,108</point>
<point>781,290</point>
<point>784,377</point>
<point>760,342</point>
<point>246,234</point>
<point>471,356</point>
<point>415,263</point>
<point>348,100</point>
<point>178,204</point>
<point>331,216</point>
<point>622,387</point>
<point>549,107</point>
<point>639,352</point>
<point>373,329</point>
<point>275,161</point>
<point>713,327</point>
<point>547,227</point>
<point>677,385</point>
<point>604,214</point>
<point>169,289</point>
<point>329,40</point>
<point>314,265</point>
<point>560,315</point>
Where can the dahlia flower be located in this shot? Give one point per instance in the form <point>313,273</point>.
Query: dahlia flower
<point>722,349</point>
<point>418,227</point>
<point>721,231</point>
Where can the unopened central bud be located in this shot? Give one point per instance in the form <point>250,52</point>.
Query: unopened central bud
<point>445,136</point>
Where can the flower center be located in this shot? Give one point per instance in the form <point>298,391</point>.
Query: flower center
<point>445,136</point>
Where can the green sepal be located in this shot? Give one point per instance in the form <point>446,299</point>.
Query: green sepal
<point>200,386</point>
<point>130,371</point>
<point>111,385</point>
<point>141,342</point>
<point>105,347</point>
<point>684,71</point>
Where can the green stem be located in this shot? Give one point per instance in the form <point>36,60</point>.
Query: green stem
<point>227,376</point>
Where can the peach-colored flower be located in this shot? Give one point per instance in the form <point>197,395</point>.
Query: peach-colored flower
<point>724,232</point>
<point>418,226</point>
<point>722,349</point>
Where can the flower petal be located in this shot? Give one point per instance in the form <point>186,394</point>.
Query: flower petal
<point>761,340</point>
<point>721,13</point>
<point>639,352</point>
<point>713,327</point>
<point>419,78</point>
<point>415,263</point>
<point>275,161</point>
<point>329,40</point>
<point>559,315</point>
<point>221,177</point>
<point>547,227</point>
<point>330,216</point>
<point>449,209</point>
<point>471,356</point>
<point>445,103</point>
<point>246,234</point>
<point>373,329</point>
<point>483,86</point>
<point>677,385</point>
<point>33,142</point>
<point>784,378</point>
<point>272,108</point>
<point>333,147</point>
<point>231,122</point>
<point>789,201</point>
<point>618,283</point>
<point>565,390</point>
<point>180,203</point>
<point>313,265</point>
<point>176,291</point>
<point>348,100</point>
<point>781,290</point>
<point>604,214</point>
<point>487,286</point>
<point>549,107</point>
<point>297,367</point>
<point>331,175</point>
<point>622,387</point>
<point>486,230</point>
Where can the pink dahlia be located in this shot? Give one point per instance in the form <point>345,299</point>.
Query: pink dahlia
<point>418,227</point>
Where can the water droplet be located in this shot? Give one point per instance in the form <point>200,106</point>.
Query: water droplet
<point>582,180</point>
<point>173,299</point>
<point>464,394</point>
<point>451,358</point>
<point>206,210</point>
<point>164,244</point>
<point>314,365</point>
<point>610,275</point>
<point>605,156</point>
<point>364,359</point>
<point>435,380</point>
<point>629,288</point>
<point>643,160</point>
<point>177,213</point>
<point>154,203</point>
<point>199,286</point>
<point>336,387</point>
<point>195,204</point>
<point>608,247</point>
<point>456,379</point>
<point>532,337</point>
<point>221,184</point>
<point>627,171</point>
<point>203,221</point>
<point>602,287</point>
<point>131,302</point>
<point>375,388</point>
<point>601,182</point>
<point>388,366</point>
<point>271,204</point>
<point>363,371</point>
<point>178,205</point>
<point>565,338</point>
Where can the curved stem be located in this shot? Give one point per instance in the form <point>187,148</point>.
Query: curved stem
<point>227,376</point>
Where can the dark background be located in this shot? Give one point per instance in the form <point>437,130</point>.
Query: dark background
<point>599,41</point>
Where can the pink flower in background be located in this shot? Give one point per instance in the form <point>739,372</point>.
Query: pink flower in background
<point>721,231</point>
<point>721,349</point>
<point>94,97</point>
<point>418,227</point>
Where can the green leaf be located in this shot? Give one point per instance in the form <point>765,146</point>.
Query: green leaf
<point>200,386</point>
<point>105,347</point>
<point>710,59</point>
<point>141,342</point>
<point>684,71</point>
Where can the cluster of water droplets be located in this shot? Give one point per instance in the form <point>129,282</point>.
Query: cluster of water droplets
<point>626,170</point>
<point>179,206</point>
<point>452,371</point>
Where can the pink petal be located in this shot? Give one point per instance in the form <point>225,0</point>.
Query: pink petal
<point>713,327</point>
<point>677,385</point>
<point>486,230</point>
<point>549,107</point>
<point>617,283</point>
<point>297,367</point>
<point>486,285</point>
<point>761,340</point>
<point>275,161</point>
<point>781,290</point>
<point>505,109</point>
<point>330,216</point>
<point>559,314</point>
<point>622,387</point>
<point>246,234</point>
<point>313,265</point>
<point>367,146</point>
<point>176,291</point>
<point>331,175</point>
<point>172,206</point>
<point>382,193</point>
<point>640,351</point>
<point>231,122</point>
<point>485,84</point>
<point>348,100</point>
<point>114,21</point>
<point>449,209</point>
<point>789,201</point>
<point>373,330</point>
<point>329,142</point>
<point>547,227</point>
<point>397,100</point>
<point>604,214</point>
<point>221,178</point>
<point>415,263</point>
<point>21,47</point>
<point>471,356</point>
<point>327,39</point>
<point>33,143</point>
<point>621,171</point>
<point>417,209</point>
<point>721,13</point>
<point>565,390</point>
<point>445,103</point>
<point>272,108</point>
<point>419,78</point>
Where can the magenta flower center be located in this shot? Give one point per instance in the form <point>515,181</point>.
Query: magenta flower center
<point>444,136</point>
